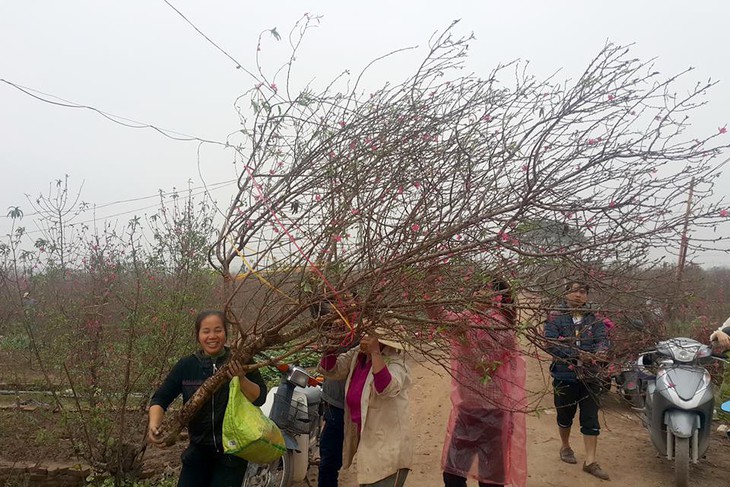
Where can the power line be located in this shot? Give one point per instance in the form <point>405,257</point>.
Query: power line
<point>211,187</point>
<point>125,122</point>
<point>156,205</point>
<point>238,65</point>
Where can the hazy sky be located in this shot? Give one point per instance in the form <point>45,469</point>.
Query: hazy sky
<point>140,60</point>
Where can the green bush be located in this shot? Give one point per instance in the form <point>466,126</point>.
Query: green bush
<point>15,342</point>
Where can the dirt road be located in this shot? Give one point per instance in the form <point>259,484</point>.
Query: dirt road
<point>624,447</point>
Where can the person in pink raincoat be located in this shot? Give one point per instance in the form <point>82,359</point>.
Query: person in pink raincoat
<point>486,434</point>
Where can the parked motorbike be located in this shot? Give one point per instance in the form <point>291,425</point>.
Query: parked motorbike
<point>679,401</point>
<point>629,384</point>
<point>295,405</point>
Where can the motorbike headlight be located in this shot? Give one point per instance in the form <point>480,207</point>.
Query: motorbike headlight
<point>684,355</point>
<point>298,377</point>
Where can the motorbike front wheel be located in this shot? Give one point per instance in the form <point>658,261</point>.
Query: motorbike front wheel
<point>681,462</point>
<point>276,474</point>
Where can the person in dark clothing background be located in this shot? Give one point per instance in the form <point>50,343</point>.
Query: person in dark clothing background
<point>576,338</point>
<point>204,464</point>
<point>333,434</point>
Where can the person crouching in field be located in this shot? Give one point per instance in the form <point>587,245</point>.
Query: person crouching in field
<point>486,433</point>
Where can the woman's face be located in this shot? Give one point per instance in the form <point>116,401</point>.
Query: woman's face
<point>212,335</point>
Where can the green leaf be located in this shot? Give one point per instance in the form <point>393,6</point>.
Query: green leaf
<point>275,34</point>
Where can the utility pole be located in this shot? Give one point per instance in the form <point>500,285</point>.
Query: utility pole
<point>685,239</point>
<point>683,246</point>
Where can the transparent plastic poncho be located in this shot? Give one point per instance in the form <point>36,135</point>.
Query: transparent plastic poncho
<point>486,434</point>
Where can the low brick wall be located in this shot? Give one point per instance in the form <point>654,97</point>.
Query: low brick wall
<point>39,475</point>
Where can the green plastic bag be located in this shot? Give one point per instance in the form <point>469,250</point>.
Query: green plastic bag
<point>247,432</point>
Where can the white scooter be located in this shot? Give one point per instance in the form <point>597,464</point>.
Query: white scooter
<point>296,408</point>
<point>679,402</point>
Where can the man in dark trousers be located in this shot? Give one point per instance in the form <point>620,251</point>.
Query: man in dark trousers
<point>576,339</point>
<point>333,433</point>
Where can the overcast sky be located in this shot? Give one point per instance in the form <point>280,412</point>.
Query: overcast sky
<point>140,60</point>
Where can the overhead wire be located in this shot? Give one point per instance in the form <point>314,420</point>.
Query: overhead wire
<point>159,194</point>
<point>225,53</point>
<point>127,212</point>
<point>118,119</point>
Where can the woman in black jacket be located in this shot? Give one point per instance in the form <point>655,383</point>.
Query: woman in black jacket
<point>203,462</point>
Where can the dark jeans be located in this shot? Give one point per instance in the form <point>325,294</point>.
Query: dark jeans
<point>451,480</point>
<point>330,446</point>
<point>569,395</point>
<point>205,467</point>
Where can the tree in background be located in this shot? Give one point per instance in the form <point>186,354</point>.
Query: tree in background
<point>105,311</point>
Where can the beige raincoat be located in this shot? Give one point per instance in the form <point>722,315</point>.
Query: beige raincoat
<point>385,444</point>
